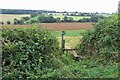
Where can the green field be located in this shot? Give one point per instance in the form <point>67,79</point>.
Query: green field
<point>71,37</point>
<point>62,16</point>
<point>74,17</point>
<point>69,33</point>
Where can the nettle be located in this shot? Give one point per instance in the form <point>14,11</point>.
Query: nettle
<point>103,40</point>
<point>26,52</point>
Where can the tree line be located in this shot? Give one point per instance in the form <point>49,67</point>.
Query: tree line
<point>51,19</point>
<point>21,11</point>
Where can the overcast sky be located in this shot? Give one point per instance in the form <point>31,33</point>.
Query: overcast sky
<point>108,6</point>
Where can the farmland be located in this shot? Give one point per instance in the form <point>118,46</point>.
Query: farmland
<point>56,26</point>
<point>73,30</point>
<point>11,17</point>
<point>36,53</point>
<point>62,16</point>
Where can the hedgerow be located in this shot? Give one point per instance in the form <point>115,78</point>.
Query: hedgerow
<point>26,52</point>
<point>103,41</point>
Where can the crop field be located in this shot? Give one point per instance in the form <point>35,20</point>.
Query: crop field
<point>56,26</point>
<point>67,26</point>
<point>11,17</point>
<point>72,30</point>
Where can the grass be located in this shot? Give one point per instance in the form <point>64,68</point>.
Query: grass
<point>74,17</point>
<point>72,37</point>
<point>69,33</point>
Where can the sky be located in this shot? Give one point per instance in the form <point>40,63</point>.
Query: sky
<point>108,6</point>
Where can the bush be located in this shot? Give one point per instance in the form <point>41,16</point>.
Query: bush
<point>26,52</point>
<point>1,23</point>
<point>21,22</point>
<point>32,21</point>
<point>103,40</point>
<point>8,22</point>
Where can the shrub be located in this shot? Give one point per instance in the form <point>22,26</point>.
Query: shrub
<point>26,52</point>
<point>8,22</point>
<point>103,40</point>
<point>1,23</point>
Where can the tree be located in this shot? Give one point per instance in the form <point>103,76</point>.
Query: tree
<point>34,14</point>
<point>41,19</point>
<point>50,19</point>
<point>94,19</point>
<point>57,19</point>
<point>15,21</point>
<point>84,20</point>
<point>33,21</point>
<point>44,19</point>
<point>70,19</point>
<point>25,18</point>
<point>65,18</point>
<point>8,22</point>
<point>18,21</point>
<point>1,23</point>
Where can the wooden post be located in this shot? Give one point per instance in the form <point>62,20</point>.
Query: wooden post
<point>63,42</point>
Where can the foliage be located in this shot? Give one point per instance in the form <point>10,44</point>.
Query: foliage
<point>1,23</point>
<point>16,21</point>
<point>103,40</point>
<point>84,20</point>
<point>25,18</point>
<point>26,52</point>
<point>8,22</point>
<point>92,19</point>
<point>83,69</point>
<point>33,15</point>
<point>33,21</point>
<point>48,19</point>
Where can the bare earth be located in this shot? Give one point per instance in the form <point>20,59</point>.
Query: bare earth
<point>67,26</point>
<point>57,26</point>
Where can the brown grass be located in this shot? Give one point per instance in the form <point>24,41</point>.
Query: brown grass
<point>10,17</point>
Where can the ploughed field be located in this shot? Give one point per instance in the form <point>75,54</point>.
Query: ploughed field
<point>56,26</point>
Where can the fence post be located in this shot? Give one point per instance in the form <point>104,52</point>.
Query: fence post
<point>62,42</point>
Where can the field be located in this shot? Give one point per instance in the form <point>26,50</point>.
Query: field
<point>66,66</point>
<point>56,26</point>
<point>76,18</point>
<point>72,30</point>
<point>11,17</point>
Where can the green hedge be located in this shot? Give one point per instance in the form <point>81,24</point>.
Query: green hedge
<point>26,52</point>
<point>103,41</point>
